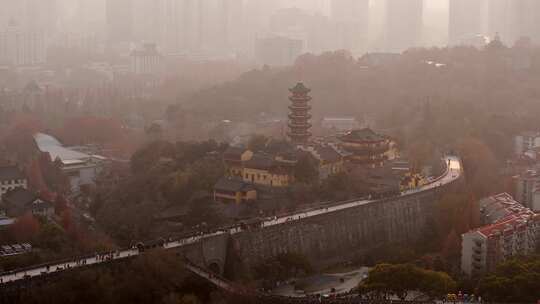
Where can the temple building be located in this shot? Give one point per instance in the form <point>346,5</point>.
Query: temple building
<point>259,168</point>
<point>299,117</point>
<point>367,148</point>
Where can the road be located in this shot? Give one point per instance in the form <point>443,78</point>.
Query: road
<point>452,173</point>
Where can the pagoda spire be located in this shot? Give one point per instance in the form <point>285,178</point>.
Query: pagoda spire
<point>299,116</point>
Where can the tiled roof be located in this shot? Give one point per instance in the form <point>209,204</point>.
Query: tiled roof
<point>499,206</point>
<point>234,153</point>
<point>505,214</point>
<point>362,135</point>
<point>260,161</point>
<point>510,222</point>
<point>300,88</point>
<point>327,153</point>
<point>51,145</point>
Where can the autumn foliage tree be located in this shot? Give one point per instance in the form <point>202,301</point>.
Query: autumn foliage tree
<point>401,279</point>
<point>25,228</point>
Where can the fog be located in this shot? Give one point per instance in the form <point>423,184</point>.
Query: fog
<point>260,144</point>
<point>261,31</point>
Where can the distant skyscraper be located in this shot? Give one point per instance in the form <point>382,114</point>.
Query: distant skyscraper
<point>119,20</point>
<point>466,20</point>
<point>352,23</point>
<point>172,26</point>
<point>41,15</point>
<point>233,22</point>
<point>349,9</point>
<point>404,23</point>
<point>513,19</point>
<point>500,19</point>
<point>20,46</point>
<point>191,38</point>
<point>527,16</point>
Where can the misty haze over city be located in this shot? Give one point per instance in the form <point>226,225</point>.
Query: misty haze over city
<point>269,151</point>
<point>234,28</point>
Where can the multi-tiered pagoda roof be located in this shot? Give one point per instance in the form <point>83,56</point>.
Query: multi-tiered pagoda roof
<point>299,116</point>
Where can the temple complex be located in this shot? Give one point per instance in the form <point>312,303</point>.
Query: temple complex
<point>299,117</point>
<point>366,147</point>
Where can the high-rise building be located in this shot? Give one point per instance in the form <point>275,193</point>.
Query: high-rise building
<point>349,10</point>
<point>41,15</point>
<point>527,16</point>
<point>90,17</point>
<point>404,24</point>
<point>512,19</point>
<point>169,26</point>
<point>119,20</point>
<point>351,18</point>
<point>232,19</point>
<point>278,50</point>
<point>21,46</point>
<point>146,60</point>
<point>466,20</point>
<point>189,23</point>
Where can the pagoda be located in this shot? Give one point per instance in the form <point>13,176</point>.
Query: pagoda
<point>299,116</point>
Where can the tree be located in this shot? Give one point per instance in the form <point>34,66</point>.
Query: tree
<point>35,177</point>
<point>25,228</point>
<point>400,279</point>
<point>282,267</point>
<point>257,143</point>
<point>516,280</point>
<point>157,277</point>
<point>150,154</point>
<point>60,204</point>
<point>436,284</point>
<point>306,169</point>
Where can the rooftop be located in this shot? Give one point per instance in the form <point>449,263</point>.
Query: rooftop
<point>260,161</point>
<point>325,153</point>
<point>504,213</point>
<point>300,89</point>
<point>508,223</point>
<point>365,134</point>
<point>11,173</point>
<point>497,207</point>
<point>234,153</point>
<point>48,144</point>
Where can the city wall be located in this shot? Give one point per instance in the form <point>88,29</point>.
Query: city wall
<point>328,237</point>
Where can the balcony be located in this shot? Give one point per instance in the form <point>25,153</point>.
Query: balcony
<point>299,125</point>
<point>296,135</point>
<point>299,108</point>
<point>300,98</point>
<point>294,117</point>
